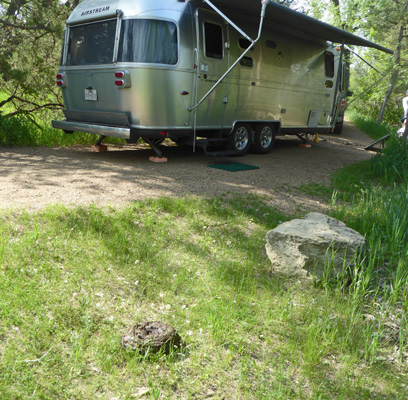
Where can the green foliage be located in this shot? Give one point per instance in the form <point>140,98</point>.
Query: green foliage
<point>372,198</point>
<point>392,165</point>
<point>30,43</point>
<point>381,22</point>
<point>23,130</point>
<point>388,167</point>
<point>19,131</point>
<point>367,125</point>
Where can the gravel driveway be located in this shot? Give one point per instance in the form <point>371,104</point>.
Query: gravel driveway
<point>33,177</point>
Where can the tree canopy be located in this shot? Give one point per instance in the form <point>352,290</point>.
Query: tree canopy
<point>31,34</point>
<point>384,22</point>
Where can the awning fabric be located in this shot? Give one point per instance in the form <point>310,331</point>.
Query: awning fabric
<point>281,15</point>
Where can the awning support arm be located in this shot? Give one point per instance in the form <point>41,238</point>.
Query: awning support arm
<point>228,19</point>
<point>374,84</point>
<point>362,59</point>
<point>365,91</point>
<point>264,4</point>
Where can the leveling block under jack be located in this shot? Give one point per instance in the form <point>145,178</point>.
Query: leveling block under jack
<point>307,145</point>
<point>304,140</point>
<point>98,146</point>
<point>158,158</point>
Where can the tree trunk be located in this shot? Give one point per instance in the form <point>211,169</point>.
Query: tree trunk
<point>396,70</point>
<point>387,95</point>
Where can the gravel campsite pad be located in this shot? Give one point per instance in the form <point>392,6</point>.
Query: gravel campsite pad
<point>33,177</point>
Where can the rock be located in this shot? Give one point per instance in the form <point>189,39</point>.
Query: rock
<point>153,335</point>
<point>302,247</point>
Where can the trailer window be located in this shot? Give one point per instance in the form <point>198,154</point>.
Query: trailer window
<point>213,40</point>
<point>329,64</point>
<point>148,41</point>
<point>62,52</point>
<point>91,43</point>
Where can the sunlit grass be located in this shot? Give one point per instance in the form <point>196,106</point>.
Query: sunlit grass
<point>24,131</point>
<point>369,126</point>
<point>73,281</point>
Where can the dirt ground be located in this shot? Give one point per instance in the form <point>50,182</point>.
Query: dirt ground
<point>33,177</point>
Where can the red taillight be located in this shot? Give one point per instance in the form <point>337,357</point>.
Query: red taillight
<point>343,104</point>
<point>122,79</point>
<point>60,80</point>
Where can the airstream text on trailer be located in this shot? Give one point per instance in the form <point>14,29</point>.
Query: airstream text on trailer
<point>232,71</point>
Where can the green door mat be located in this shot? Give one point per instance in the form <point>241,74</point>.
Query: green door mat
<point>233,166</point>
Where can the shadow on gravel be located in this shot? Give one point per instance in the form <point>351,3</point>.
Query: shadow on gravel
<point>33,177</point>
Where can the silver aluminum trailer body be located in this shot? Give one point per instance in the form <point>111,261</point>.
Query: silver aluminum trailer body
<point>152,69</point>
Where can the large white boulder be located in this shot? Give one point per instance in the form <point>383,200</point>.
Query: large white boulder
<point>303,247</point>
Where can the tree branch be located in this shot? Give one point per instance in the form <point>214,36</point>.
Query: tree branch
<point>27,28</point>
<point>49,106</point>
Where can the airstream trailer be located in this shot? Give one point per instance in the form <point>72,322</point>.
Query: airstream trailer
<point>232,72</point>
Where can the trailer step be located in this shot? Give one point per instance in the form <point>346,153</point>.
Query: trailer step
<point>215,147</point>
<point>380,141</point>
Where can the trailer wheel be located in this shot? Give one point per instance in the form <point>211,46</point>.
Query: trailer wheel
<point>264,139</point>
<point>240,139</point>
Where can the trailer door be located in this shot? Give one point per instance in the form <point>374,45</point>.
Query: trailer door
<point>212,60</point>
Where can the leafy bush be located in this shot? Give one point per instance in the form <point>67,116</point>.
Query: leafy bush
<point>22,130</point>
<point>18,130</point>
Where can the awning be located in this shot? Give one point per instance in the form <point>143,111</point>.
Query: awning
<point>278,14</point>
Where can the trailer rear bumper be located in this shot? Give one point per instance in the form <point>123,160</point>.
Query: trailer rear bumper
<point>105,130</point>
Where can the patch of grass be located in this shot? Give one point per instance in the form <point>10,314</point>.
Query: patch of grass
<point>317,189</point>
<point>22,130</point>
<point>369,126</point>
<point>73,281</point>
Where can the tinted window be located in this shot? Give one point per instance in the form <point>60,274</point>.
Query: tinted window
<point>329,64</point>
<point>91,43</point>
<point>62,51</point>
<point>148,41</point>
<point>213,40</point>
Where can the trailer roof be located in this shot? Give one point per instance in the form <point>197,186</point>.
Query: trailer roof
<point>279,14</point>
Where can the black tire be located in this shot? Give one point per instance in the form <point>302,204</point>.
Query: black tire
<point>240,139</point>
<point>338,129</point>
<point>264,139</point>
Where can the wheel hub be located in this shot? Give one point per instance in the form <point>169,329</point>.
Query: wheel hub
<point>266,137</point>
<point>241,138</point>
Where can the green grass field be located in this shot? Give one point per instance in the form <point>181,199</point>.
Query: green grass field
<point>73,281</point>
